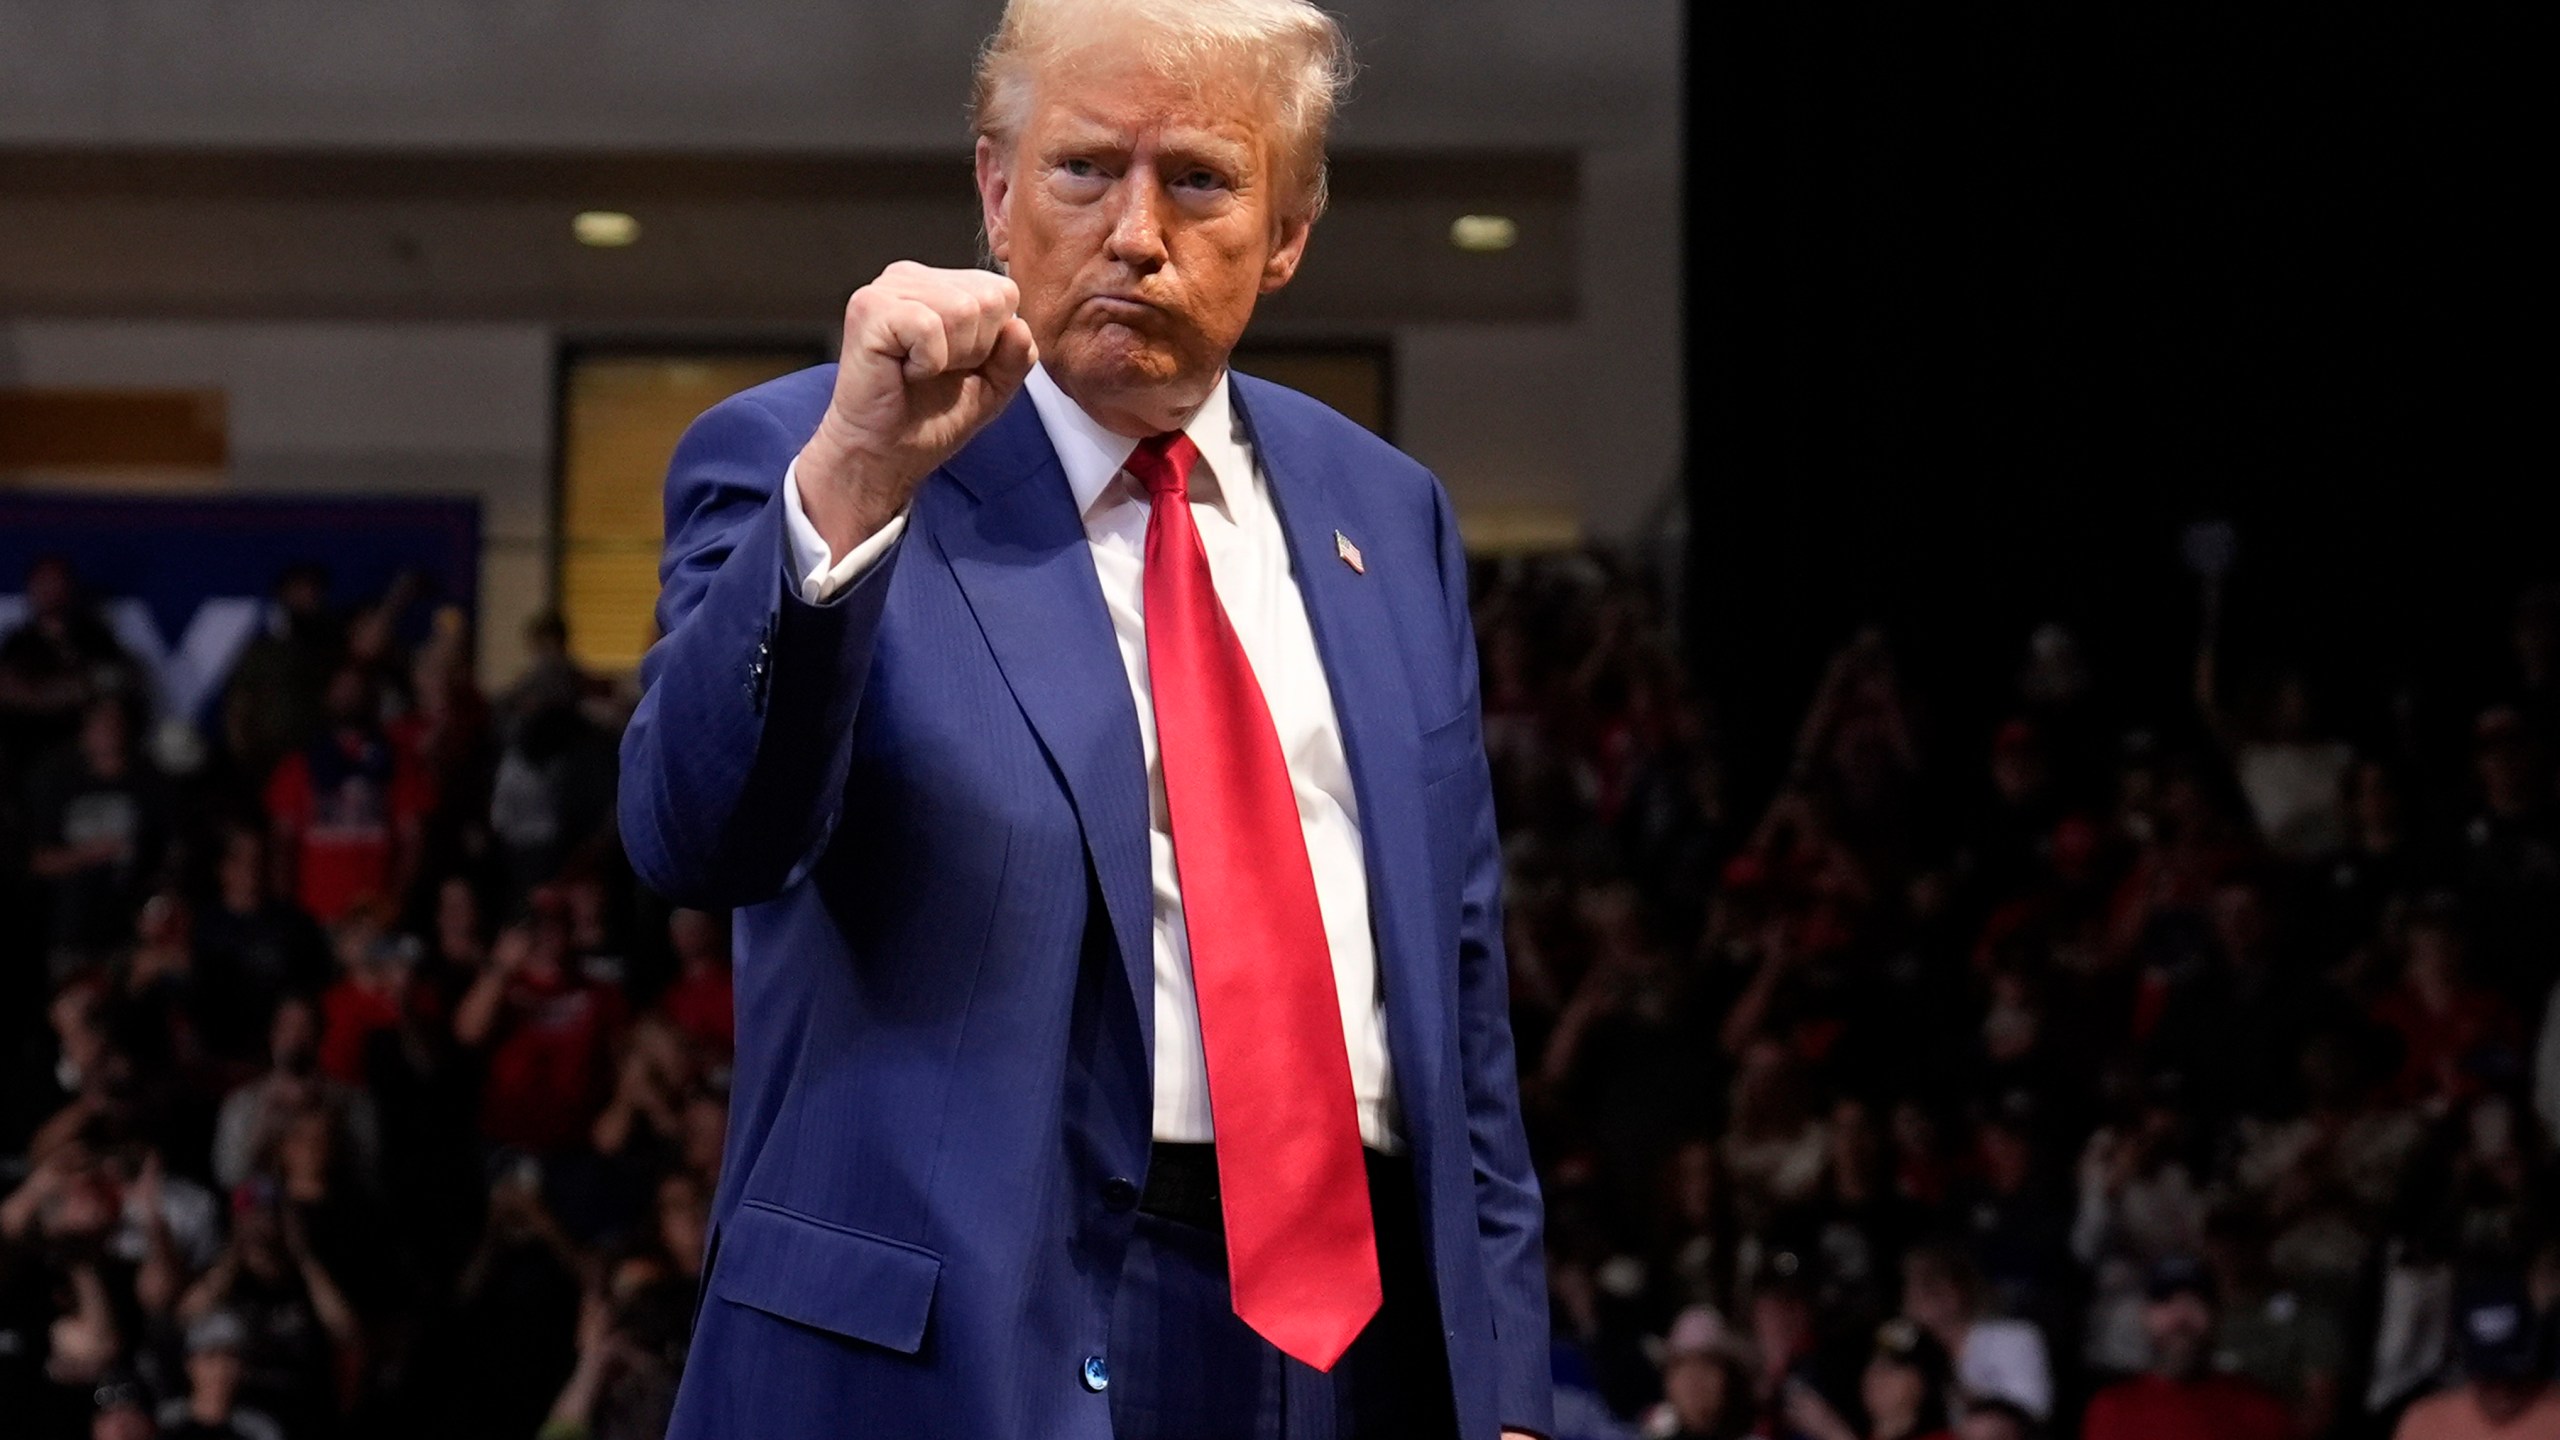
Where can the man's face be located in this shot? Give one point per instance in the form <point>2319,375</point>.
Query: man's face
<point>2179,1325</point>
<point>1142,219</point>
<point>1890,1389</point>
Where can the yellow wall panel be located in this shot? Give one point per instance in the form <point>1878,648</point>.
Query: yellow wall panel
<point>621,416</point>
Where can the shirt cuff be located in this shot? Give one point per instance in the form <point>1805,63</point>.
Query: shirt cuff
<point>820,579</point>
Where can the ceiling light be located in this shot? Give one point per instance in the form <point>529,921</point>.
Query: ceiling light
<point>605,229</point>
<point>1484,233</point>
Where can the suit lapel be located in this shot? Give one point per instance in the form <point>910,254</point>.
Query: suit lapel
<point>1020,557</point>
<point>1355,636</point>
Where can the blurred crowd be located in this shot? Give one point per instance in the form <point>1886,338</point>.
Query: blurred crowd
<point>2176,1065</point>
<point>2130,1065</point>
<point>353,1089</point>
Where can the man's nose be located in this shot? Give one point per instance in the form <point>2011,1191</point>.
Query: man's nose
<point>1137,232</point>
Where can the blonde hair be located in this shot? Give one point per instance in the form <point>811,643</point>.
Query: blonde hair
<point>1289,51</point>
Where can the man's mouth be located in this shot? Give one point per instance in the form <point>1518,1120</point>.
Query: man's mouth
<point>1121,308</point>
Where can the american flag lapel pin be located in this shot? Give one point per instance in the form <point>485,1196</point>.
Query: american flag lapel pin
<point>1349,552</point>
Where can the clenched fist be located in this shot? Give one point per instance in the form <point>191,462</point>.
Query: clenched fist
<point>930,356</point>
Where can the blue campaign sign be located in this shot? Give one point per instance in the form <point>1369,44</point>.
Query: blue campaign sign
<point>186,583</point>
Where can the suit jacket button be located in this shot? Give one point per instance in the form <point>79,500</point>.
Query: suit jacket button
<point>1119,1194</point>
<point>1097,1376</point>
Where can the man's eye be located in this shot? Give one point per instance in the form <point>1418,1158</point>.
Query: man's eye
<point>1201,180</point>
<point>1081,169</point>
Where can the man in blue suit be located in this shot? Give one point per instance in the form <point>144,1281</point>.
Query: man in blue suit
<point>1087,739</point>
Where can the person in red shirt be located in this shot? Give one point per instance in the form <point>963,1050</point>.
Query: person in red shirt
<point>548,1031</point>
<point>376,992</point>
<point>2181,1399</point>
<point>2445,1023</point>
<point>347,809</point>
<point>701,1001</point>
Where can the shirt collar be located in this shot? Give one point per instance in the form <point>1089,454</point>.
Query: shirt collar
<point>1092,456</point>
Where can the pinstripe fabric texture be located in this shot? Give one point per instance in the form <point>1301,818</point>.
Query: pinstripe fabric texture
<point>1190,1370</point>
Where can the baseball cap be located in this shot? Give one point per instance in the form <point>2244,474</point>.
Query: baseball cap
<point>2497,1329</point>
<point>2178,1275</point>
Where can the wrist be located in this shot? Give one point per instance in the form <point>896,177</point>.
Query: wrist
<point>847,495</point>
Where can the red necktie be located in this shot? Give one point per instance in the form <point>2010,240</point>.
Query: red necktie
<point>1302,1255</point>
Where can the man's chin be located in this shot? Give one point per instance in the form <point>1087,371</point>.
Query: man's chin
<point>1107,366</point>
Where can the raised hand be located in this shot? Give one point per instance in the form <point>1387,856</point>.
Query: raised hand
<point>930,356</point>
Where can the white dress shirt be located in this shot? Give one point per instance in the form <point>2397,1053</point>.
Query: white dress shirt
<point>1249,563</point>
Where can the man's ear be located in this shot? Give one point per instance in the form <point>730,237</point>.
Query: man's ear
<point>1281,266</point>
<point>995,184</point>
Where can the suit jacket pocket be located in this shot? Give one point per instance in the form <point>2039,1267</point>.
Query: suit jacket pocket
<point>1449,747</point>
<point>849,1282</point>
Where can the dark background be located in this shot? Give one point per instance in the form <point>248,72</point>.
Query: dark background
<point>1989,301</point>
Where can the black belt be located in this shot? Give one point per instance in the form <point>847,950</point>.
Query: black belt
<point>1182,1181</point>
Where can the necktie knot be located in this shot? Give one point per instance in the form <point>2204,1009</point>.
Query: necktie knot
<point>1163,464</point>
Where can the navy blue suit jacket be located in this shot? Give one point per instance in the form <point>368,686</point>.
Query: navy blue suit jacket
<point>926,801</point>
